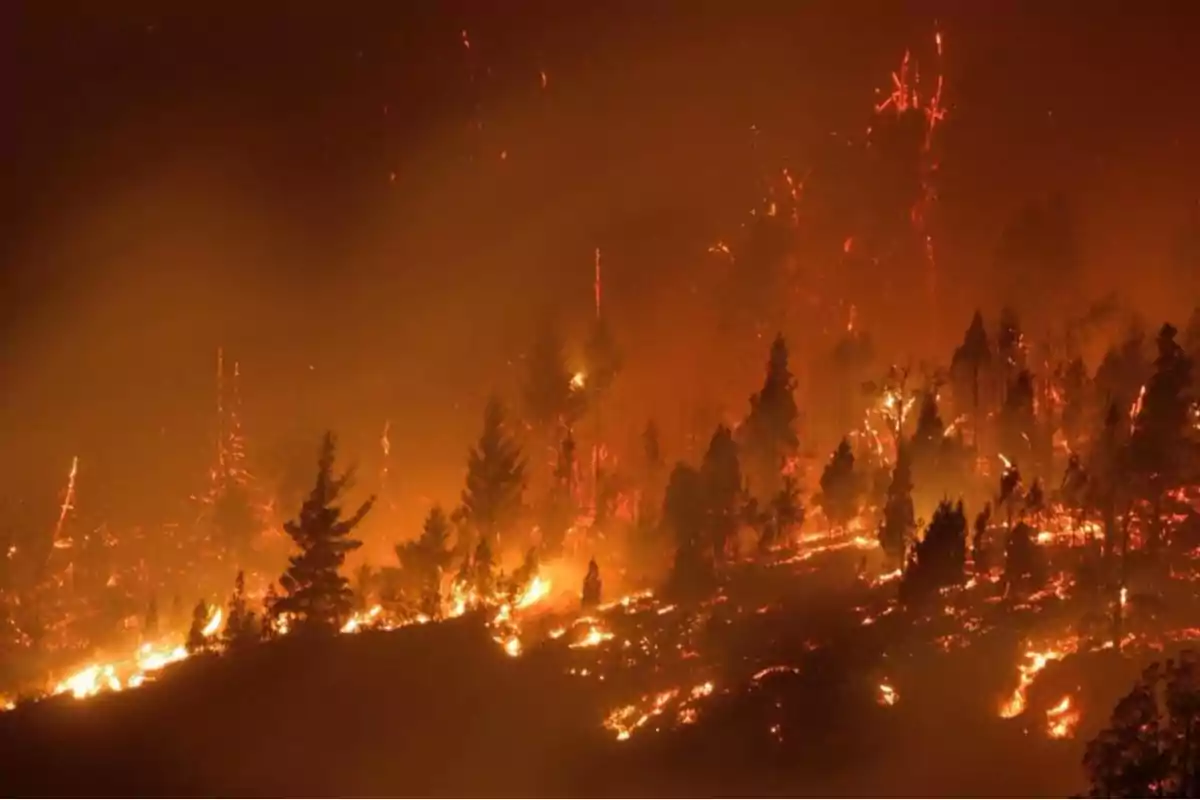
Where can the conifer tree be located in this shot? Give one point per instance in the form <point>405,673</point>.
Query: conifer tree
<point>652,474</point>
<point>197,642</point>
<point>1010,491</point>
<point>550,397</point>
<point>591,586</point>
<point>768,434</point>
<point>939,559</point>
<point>561,507</point>
<point>684,516</point>
<point>1018,424</point>
<point>1123,371</point>
<point>721,480</point>
<point>1022,568</point>
<point>1161,444</point>
<point>968,367</point>
<point>784,514</point>
<point>1107,469</point>
<point>603,359</point>
<point>483,570</point>
<point>840,487</point>
<point>899,519</point>
<point>241,625</point>
<point>492,499</point>
<point>979,553</point>
<point>424,560</point>
<point>270,622</point>
<point>1075,389</point>
<point>315,593</point>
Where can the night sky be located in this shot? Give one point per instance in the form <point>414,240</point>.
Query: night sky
<point>370,214</point>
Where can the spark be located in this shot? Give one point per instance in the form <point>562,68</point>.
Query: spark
<point>596,284</point>
<point>466,41</point>
<point>68,503</point>
<point>545,79</point>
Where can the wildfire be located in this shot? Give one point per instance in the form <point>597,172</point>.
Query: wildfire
<point>1035,662</point>
<point>887,695</point>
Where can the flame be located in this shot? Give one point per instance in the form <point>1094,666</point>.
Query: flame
<point>578,380</point>
<point>887,695</point>
<point>1062,719</point>
<point>538,590</point>
<point>1036,661</point>
<point>593,638</point>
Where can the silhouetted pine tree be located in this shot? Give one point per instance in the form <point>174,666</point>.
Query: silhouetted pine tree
<point>270,623</point>
<point>315,594</point>
<point>560,508</point>
<point>1161,444</point>
<point>684,515</point>
<point>1010,346</point>
<point>840,487</point>
<point>979,548</point>
<point>1073,491</point>
<point>721,479</point>
<point>653,475</point>
<point>197,642</point>
<point>968,367</point>
<point>591,586</point>
<point>424,559</point>
<point>241,624</point>
<point>550,397</point>
<point>1123,371</point>
<point>483,570</point>
<point>492,499</point>
<point>1010,492</point>
<point>784,514</point>
<point>899,519</point>
<point>768,434</point>
<point>1018,424</point>
<point>1022,563</point>
<point>939,559</point>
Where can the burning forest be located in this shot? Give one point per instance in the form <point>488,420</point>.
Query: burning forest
<point>827,513</point>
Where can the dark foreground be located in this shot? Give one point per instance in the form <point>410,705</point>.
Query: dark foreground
<point>441,711</point>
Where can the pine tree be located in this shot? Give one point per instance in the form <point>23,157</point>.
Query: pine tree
<point>241,625</point>
<point>899,519</point>
<point>197,642</point>
<point>1010,345</point>
<point>652,474</point>
<point>315,593</point>
<point>684,515</point>
<point>492,499</point>
<point>423,560</point>
<point>561,507</point>
<point>939,559</point>
<point>768,434</point>
<point>784,514</point>
<point>591,586</point>
<point>979,553</point>
<point>1022,563</point>
<point>1010,491</point>
<point>1123,371</point>
<point>1075,389</point>
<point>968,366</point>
<point>721,479</point>
<point>603,359</point>
<point>1161,443</point>
<point>269,628</point>
<point>483,571</point>
<point>840,487</point>
<point>1018,424</point>
<point>1074,489</point>
<point>550,397</point>
<point>1107,469</point>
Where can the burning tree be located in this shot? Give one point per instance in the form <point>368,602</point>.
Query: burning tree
<point>1018,421</point>
<point>1152,745</point>
<point>1022,563</point>
<point>899,520</point>
<point>841,489</point>
<point>315,593</point>
<point>197,641</point>
<point>768,434</point>
<point>783,515</point>
<point>492,499</point>
<point>1124,370</point>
